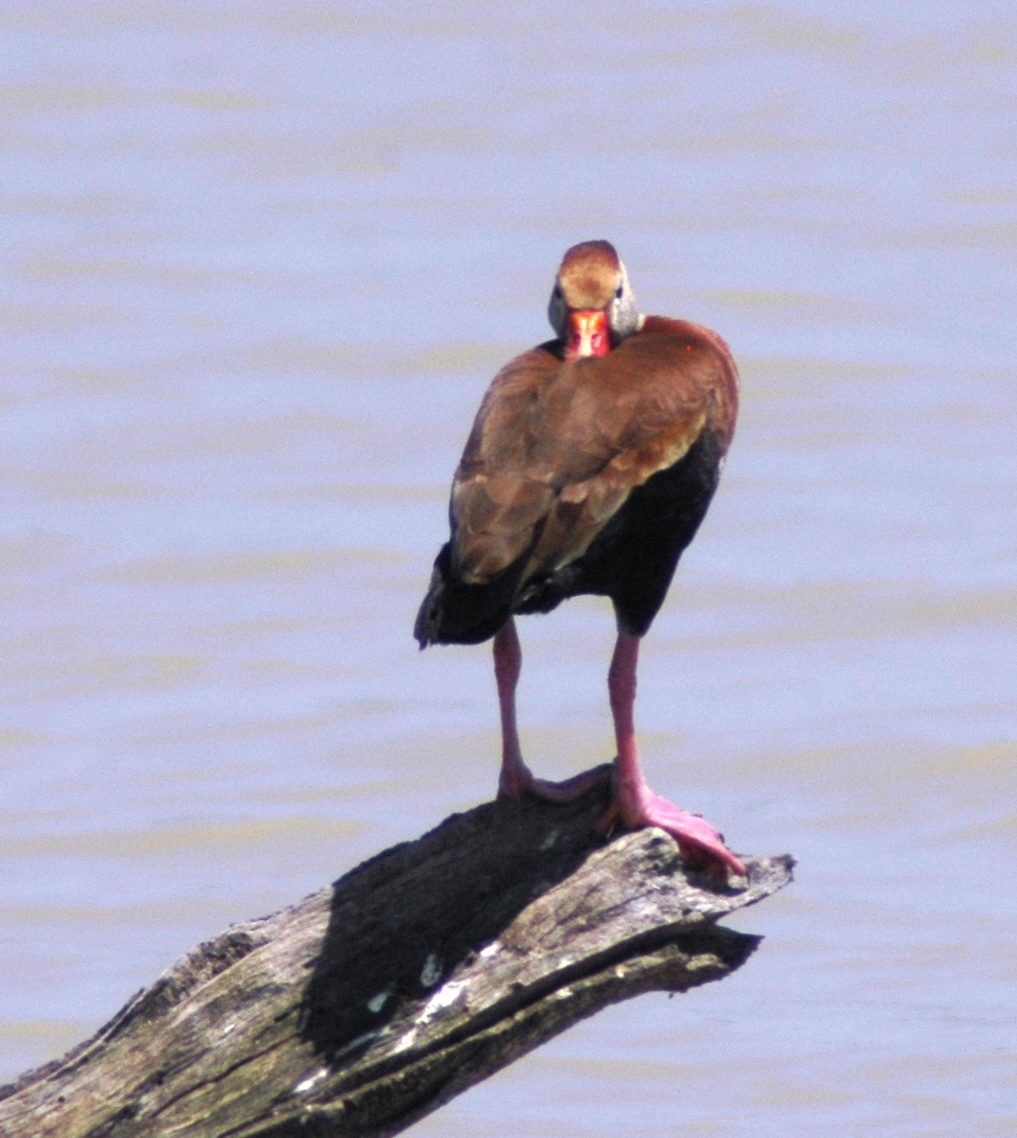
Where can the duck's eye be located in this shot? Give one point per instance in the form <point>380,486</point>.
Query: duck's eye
<point>618,292</point>
<point>557,292</point>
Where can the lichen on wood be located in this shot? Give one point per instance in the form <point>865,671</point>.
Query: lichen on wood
<point>424,970</point>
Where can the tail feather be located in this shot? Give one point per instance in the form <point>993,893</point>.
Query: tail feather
<point>454,612</point>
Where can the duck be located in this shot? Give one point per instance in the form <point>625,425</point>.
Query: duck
<point>590,465</point>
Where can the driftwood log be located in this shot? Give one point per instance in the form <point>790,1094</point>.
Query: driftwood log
<point>421,972</point>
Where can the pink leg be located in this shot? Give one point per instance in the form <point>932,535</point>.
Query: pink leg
<point>515,778</point>
<point>635,805</point>
<point>508,663</point>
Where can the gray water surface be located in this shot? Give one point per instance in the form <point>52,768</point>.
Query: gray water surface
<point>259,267</point>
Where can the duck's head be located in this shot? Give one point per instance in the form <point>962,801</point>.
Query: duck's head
<point>592,308</point>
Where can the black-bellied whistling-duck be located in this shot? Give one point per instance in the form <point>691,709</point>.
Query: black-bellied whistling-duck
<point>591,463</point>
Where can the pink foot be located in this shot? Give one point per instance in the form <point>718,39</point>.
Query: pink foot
<point>634,803</point>
<point>517,781</point>
<point>694,835</point>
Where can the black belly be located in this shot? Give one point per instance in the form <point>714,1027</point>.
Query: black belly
<point>632,560</point>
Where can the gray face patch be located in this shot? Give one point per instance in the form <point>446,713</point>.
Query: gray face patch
<point>556,310</point>
<point>624,313</point>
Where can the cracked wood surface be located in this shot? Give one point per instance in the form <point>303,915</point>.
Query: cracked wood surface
<point>372,1002</point>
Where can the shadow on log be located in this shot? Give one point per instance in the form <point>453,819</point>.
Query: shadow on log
<point>421,972</point>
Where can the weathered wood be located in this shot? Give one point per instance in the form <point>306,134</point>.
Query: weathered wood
<point>424,970</point>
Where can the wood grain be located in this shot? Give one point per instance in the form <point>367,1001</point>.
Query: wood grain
<point>373,1001</point>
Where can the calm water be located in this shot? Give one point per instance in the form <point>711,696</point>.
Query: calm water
<point>258,269</point>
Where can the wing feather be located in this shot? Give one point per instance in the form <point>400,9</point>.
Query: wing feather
<point>557,448</point>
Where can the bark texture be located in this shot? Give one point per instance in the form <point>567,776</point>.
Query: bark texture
<point>421,972</point>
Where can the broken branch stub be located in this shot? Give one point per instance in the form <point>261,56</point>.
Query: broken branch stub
<point>418,974</point>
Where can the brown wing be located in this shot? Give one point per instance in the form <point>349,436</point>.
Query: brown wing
<point>557,447</point>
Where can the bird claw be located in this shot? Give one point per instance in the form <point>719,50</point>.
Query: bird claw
<point>696,838</point>
<point>694,835</point>
<point>523,782</point>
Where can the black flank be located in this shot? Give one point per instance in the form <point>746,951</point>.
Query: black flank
<point>632,560</point>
